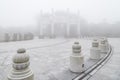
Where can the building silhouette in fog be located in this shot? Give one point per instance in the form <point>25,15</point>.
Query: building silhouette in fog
<point>59,24</point>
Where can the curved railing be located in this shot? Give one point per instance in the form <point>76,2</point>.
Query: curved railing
<point>89,72</point>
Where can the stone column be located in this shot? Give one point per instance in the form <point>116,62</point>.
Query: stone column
<point>20,36</point>
<point>79,33</point>
<point>7,37</point>
<point>68,30</point>
<point>52,30</point>
<point>14,37</point>
<point>95,52</point>
<point>26,36</point>
<point>76,59</point>
<point>41,31</point>
<point>21,70</point>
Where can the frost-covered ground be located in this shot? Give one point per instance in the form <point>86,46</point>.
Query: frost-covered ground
<point>111,70</point>
<point>49,57</point>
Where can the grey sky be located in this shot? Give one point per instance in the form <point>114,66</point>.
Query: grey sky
<point>24,12</point>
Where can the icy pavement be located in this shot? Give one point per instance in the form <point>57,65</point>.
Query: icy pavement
<point>49,57</point>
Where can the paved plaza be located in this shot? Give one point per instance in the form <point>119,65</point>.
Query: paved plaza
<point>49,58</point>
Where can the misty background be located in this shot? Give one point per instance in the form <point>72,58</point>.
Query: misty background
<point>95,17</point>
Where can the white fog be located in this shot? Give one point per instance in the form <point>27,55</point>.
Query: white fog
<point>59,39</point>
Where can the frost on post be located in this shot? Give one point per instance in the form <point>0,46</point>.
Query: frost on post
<point>95,50</point>
<point>104,45</point>
<point>21,70</point>
<point>76,59</point>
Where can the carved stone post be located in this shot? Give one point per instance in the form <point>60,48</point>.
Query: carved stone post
<point>21,70</point>
<point>76,59</point>
<point>95,50</point>
<point>104,45</point>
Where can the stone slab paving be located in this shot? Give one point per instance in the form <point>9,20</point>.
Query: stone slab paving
<point>49,58</point>
<point>37,43</point>
<point>111,70</point>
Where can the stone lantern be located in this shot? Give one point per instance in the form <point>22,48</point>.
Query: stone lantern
<point>21,70</point>
<point>76,59</point>
<point>95,50</point>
